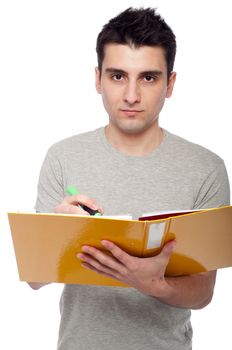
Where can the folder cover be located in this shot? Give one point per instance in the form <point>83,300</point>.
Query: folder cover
<point>46,244</point>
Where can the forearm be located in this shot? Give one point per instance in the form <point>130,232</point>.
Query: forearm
<point>193,292</point>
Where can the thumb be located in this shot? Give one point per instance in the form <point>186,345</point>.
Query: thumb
<point>167,249</point>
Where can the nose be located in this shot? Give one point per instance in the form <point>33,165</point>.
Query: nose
<point>132,93</point>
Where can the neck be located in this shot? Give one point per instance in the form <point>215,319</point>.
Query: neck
<point>138,144</point>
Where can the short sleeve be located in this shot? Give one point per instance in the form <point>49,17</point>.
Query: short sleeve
<point>50,185</point>
<point>214,191</point>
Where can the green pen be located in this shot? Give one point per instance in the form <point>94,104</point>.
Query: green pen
<point>72,191</point>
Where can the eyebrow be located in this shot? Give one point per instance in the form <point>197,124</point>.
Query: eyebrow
<point>121,71</point>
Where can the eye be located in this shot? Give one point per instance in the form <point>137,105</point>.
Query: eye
<point>149,78</point>
<point>117,77</point>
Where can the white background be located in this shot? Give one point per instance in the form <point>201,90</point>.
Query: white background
<point>47,93</point>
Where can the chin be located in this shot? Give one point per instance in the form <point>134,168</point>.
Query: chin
<point>132,127</point>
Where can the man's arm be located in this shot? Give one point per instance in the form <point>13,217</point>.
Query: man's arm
<point>147,275</point>
<point>193,292</point>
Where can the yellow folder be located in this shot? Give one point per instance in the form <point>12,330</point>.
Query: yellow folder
<point>46,244</point>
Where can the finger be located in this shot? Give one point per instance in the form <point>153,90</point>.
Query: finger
<point>104,259</point>
<point>117,252</point>
<point>84,200</point>
<point>167,249</point>
<point>90,267</point>
<point>95,264</point>
<point>70,209</point>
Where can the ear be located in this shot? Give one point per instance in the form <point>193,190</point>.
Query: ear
<point>98,80</point>
<point>171,83</point>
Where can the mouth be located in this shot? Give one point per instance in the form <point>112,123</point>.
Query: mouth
<point>131,112</point>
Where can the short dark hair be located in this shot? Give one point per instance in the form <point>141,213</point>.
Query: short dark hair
<point>138,27</point>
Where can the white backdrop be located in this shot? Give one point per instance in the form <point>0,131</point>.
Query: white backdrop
<point>47,93</point>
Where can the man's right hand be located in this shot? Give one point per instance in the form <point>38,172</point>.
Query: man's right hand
<point>72,205</point>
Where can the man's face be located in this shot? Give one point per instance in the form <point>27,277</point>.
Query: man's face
<point>133,85</point>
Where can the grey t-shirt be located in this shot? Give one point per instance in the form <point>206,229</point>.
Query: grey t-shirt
<point>176,175</point>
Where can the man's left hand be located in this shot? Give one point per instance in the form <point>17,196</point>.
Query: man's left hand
<point>144,274</point>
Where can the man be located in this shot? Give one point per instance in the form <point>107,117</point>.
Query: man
<point>132,166</point>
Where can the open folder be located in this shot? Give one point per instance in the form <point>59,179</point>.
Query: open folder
<point>46,244</point>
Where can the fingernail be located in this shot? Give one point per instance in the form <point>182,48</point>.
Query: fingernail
<point>172,245</point>
<point>107,244</point>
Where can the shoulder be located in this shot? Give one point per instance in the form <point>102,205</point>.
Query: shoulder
<point>75,144</point>
<point>192,154</point>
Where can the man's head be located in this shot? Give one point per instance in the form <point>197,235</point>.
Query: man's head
<point>138,27</point>
<point>136,54</point>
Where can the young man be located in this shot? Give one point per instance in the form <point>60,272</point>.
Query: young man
<point>132,166</point>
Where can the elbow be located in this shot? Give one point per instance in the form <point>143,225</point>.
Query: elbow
<point>209,290</point>
<point>36,286</point>
<point>203,303</point>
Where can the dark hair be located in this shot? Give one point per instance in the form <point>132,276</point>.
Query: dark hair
<point>138,27</point>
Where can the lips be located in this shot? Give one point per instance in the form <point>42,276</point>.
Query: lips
<point>131,112</point>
